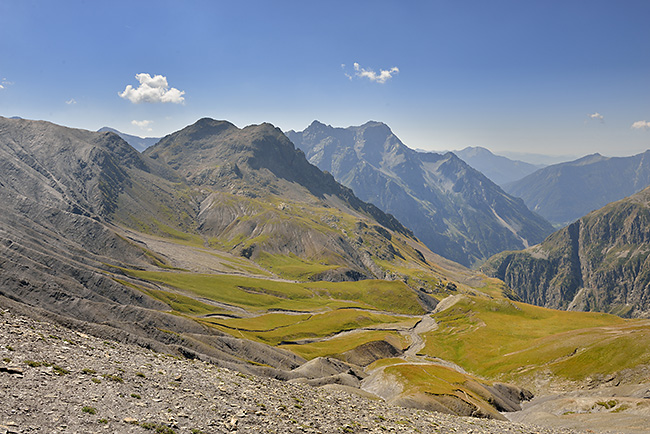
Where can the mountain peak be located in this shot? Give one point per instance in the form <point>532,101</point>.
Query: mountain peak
<point>425,191</point>
<point>317,124</point>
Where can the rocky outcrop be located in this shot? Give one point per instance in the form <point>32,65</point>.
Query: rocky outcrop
<point>599,263</point>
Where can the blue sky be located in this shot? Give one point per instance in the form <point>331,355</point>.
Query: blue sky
<point>553,77</point>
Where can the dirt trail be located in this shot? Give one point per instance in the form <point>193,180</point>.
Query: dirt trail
<point>426,324</point>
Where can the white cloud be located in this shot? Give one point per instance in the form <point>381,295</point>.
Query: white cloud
<point>597,116</point>
<point>383,76</point>
<point>4,83</point>
<point>143,125</point>
<point>345,72</point>
<point>641,125</point>
<point>71,101</point>
<point>152,89</point>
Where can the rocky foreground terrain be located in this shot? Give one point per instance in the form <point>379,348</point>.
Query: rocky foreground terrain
<point>53,379</point>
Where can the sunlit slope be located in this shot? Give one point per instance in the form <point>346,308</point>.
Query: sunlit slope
<point>498,338</point>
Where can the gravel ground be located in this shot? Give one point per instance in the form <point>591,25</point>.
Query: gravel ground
<point>54,379</point>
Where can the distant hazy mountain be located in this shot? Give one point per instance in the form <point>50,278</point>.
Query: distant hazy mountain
<point>565,192</point>
<point>139,143</point>
<point>500,170</point>
<point>454,209</point>
<point>537,159</point>
<point>598,263</point>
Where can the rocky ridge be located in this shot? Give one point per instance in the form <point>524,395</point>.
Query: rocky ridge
<point>53,379</point>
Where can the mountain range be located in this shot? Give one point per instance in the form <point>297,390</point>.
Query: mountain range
<point>454,209</point>
<point>564,192</point>
<point>217,226</point>
<point>224,244</point>
<point>501,170</point>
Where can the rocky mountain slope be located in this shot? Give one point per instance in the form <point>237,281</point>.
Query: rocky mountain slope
<point>455,210</point>
<point>55,379</point>
<point>562,193</point>
<point>499,169</point>
<point>598,263</point>
<point>259,197</point>
<point>62,189</point>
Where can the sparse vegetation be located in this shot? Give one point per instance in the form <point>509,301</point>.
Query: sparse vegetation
<point>59,370</point>
<point>89,410</point>
<point>112,377</point>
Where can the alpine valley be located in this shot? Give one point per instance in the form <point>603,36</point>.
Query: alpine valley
<point>223,247</point>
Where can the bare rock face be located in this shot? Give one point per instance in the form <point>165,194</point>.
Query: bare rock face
<point>365,354</point>
<point>599,263</point>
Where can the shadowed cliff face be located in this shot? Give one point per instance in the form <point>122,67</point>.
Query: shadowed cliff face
<point>455,210</point>
<point>599,263</point>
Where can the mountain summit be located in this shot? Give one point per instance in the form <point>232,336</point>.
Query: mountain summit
<point>455,210</point>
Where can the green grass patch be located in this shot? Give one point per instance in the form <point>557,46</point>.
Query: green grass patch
<point>293,267</point>
<point>386,295</point>
<point>497,338</point>
<point>263,294</point>
<point>181,237</point>
<point>339,345</point>
<point>316,326</point>
<point>89,410</point>
<point>432,379</point>
<point>267,322</point>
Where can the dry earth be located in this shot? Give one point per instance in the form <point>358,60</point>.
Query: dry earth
<point>54,379</point>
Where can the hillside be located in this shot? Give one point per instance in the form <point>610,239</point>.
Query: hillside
<point>597,263</point>
<point>562,193</point>
<point>455,210</point>
<point>499,169</point>
<point>57,379</point>
<point>131,248</point>
<point>224,246</point>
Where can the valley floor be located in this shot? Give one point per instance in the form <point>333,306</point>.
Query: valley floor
<point>53,379</point>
